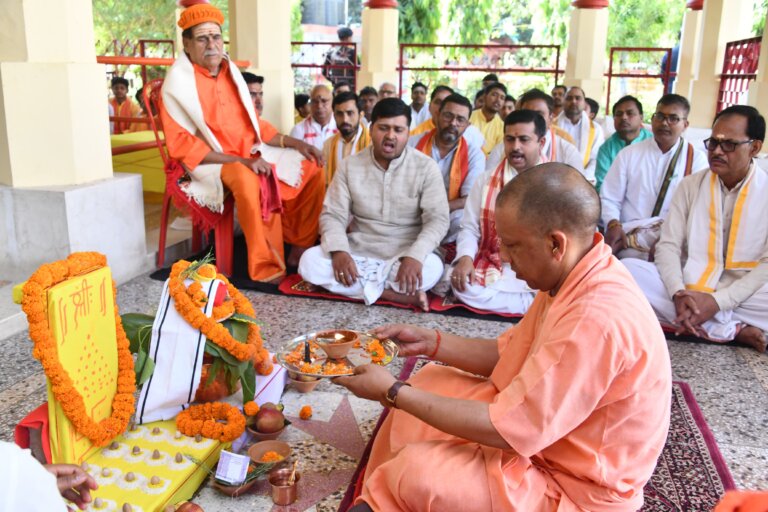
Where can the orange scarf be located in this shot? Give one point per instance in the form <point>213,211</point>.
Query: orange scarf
<point>459,164</point>
<point>488,259</point>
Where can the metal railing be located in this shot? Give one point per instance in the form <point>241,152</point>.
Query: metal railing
<point>739,69</point>
<point>494,58</point>
<point>311,56</point>
<point>647,83</point>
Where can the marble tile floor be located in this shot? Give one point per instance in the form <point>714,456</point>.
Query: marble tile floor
<point>730,385</point>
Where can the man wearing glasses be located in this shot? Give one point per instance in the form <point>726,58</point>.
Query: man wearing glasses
<point>711,273</point>
<point>460,162</point>
<point>638,188</point>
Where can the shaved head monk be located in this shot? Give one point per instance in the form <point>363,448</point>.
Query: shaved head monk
<point>212,130</point>
<point>568,410</point>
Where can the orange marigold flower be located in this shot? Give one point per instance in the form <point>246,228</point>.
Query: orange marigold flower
<point>251,408</point>
<point>271,456</point>
<point>306,412</point>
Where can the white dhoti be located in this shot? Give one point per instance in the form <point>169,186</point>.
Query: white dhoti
<point>724,326</point>
<point>642,236</point>
<point>376,275</point>
<point>508,295</point>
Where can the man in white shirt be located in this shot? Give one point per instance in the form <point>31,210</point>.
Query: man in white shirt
<point>587,135</point>
<point>557,143</point>
<point>319,126</point>
<point>387,90</point>
<point>419,108</point>
<point>479,277</point>
<point>384,214</point>
<point>710,276</point>
<point>639,185</point>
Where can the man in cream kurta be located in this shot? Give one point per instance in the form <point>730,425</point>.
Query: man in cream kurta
<point>587,135</point>
<point>567,411</point>
<point>639,186</point>
<point>479,278</point>
<point>711,272</point>
<point>384,214</point>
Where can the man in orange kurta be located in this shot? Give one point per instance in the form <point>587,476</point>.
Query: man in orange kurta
<point>122,105</point>
<point>231,122</point>
<point>566,411</point>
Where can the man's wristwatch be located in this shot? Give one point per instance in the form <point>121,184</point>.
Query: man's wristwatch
<point>392,392</point>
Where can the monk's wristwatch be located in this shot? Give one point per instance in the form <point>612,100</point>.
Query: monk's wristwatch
<point>392,392</point>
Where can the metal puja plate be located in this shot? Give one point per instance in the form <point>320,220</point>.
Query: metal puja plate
<point>357,356</point>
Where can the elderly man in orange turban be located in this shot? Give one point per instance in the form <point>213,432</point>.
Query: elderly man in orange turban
<point>212,129</point>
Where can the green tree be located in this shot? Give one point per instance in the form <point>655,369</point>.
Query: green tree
<point>297,33</point>
<point>419,21</point>
<point>647,23</point>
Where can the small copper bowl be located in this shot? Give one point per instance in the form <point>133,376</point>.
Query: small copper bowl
<point>263,436</point>
<point>304,386</point>
<point>282,492</point>
<point>257,451</point>
<point>336,343</point>
<point>234,490</point>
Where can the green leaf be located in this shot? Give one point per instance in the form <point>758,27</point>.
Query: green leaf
<point>135,324</point>
<point>239,317</point>
<point>238,329</point>
<point>222,354</point>
<point>146,372</point>
<point>248,381</point>
<point>213,371</point>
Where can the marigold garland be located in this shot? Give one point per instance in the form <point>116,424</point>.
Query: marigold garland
<point>251,408</point>
<point>188,303</point>
<point>306,412</point>
<point>204,419</point>
<point>34,304</point>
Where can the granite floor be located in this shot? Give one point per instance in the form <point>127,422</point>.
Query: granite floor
<point>729,383</point>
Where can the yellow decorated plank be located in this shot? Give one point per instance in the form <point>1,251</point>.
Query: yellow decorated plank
<point>82,319</point>
<point>177,480</point>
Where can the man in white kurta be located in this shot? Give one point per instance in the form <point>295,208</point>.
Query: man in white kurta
<point>319,126</point>
<point>557,143</point>
<point>711,273</point>
<point>384,214</point>
<point>640,183</point>
<point>587,135</point>
<point>479,277</point>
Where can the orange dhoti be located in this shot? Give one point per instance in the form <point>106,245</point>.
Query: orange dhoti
<point>264,239</point>
<point>416,467</point>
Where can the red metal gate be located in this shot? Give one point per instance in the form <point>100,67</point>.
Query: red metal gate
<point>311,56</point>
<point>739,69</point>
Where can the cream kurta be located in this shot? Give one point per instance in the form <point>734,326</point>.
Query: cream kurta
<point>581,393</point>
<point>402,211</point>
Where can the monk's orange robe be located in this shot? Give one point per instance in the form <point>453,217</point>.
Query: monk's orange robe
<point>302,205</point>
<point>581,393</point>
<point>743,501</point>
<point>228,120</point>
<point>127,109</point>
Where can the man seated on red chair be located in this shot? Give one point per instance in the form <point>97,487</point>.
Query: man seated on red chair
<point>212,129</point>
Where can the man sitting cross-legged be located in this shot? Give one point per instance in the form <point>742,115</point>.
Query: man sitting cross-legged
<point>568,410</point>
<point>211,127</point>
<point>711,273</point>
<point>479,277</point>
<point>640,184</point>
<point>384,213</point>
<point>460,163</point>
<point>439,93</point>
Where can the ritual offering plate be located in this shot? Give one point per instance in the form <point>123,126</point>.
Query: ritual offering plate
<point>365,350</point>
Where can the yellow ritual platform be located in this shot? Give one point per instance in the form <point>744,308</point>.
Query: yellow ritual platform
<point>81,318</point>
<point>146,162</point>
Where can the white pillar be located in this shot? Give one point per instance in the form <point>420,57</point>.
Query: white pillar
<point>688,57</point>
<point>587,39</point>
<point>260,32</point>
<point>723,21</point>
<point>380,45</point>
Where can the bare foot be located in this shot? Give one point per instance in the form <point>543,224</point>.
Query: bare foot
<point>752,336</point>
<point>294,256</point>
<point>420,299</point>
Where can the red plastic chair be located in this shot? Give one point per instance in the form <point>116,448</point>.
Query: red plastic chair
<point>202,218</point>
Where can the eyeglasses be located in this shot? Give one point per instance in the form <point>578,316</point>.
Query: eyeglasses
<point>671,119</point>
<point>449,118</point>
<point>728,146</point>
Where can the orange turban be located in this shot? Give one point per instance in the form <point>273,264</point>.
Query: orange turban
<point>200,13</point>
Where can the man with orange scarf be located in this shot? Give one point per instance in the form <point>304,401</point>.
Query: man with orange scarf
<point>352,137</point>
<point>212,129</point>
<point>479,277</point>
<point>460,162</point>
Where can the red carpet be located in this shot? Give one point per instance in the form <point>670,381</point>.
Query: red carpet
<point>691,473</point>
